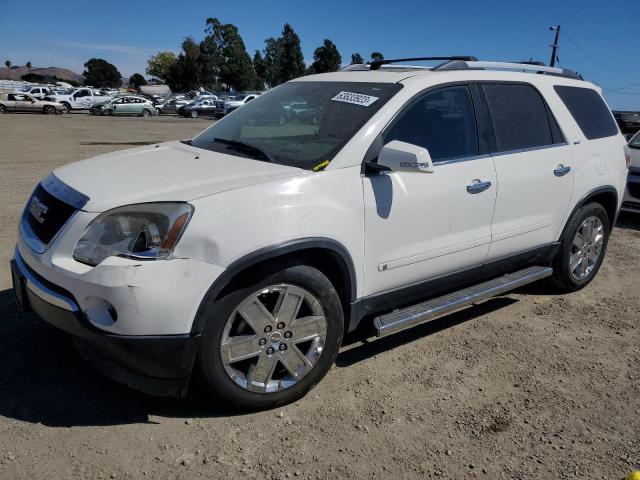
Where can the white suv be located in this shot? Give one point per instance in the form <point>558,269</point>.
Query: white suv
<point>396,195</point>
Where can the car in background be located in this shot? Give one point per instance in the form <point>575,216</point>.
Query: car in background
<point>171,106</point>
<point>629,122</point>
<point>238,101</point>
<point>631,201</point>
<point>23,102</point>
<point>36,91</point>
<point>79,99</point>
<point>203,106</point>
<point>126,105</point>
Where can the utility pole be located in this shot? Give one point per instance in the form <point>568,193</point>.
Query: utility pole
<point>554,45</point>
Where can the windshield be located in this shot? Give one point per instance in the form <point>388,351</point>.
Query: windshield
<point>325,115</point>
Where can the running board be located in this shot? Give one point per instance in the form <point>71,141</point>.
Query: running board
<point>423,312</point>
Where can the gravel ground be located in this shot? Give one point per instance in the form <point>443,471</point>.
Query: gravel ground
<point>528,385</point>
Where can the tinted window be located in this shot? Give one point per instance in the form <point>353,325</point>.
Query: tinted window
<point>589,111</point>
<point>443,122</point>
<point>519,116</point>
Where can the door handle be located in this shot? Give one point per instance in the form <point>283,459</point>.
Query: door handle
<point>561,170</point>
<point>477,186</point>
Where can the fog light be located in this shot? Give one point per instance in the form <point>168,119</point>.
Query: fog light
<point>100,312</point>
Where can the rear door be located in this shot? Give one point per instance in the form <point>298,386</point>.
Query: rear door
<point>419,226</point>
<point>534,167</point>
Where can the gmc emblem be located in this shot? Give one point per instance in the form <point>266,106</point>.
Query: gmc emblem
<point>38,210</point>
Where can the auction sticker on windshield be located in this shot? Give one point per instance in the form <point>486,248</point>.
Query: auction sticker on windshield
<point>355,98</point>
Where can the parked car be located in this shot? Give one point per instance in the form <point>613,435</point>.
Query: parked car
<point>171,106</point>
<point>253,248</point>
<point>126,105</point>
<point>632,194</point>
<point>238,101</point>
<point>36,91</point>
<point>79,99</point>
<point>629,122</point>
<point>202,106</point>
<point>23,102</point>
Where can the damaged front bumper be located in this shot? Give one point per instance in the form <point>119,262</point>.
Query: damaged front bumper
<point>155,364</point>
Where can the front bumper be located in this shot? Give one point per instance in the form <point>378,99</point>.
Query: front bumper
<point>155,364</point>
<point>631,201</point>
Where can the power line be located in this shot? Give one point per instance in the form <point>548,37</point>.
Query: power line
<point>617,91</point>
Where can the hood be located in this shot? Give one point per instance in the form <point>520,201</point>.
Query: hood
<point>169,171</point>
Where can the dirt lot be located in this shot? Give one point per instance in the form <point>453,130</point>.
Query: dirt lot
<point>529,385</point>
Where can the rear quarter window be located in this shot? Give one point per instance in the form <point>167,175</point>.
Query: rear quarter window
<point>589,111</point>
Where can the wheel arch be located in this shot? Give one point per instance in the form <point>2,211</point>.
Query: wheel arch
<point>327,255</point>
<point>607,196</point>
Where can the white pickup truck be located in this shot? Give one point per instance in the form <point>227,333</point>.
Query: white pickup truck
<point>79,99</point>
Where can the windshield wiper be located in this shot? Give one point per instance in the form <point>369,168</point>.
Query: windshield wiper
<point>246,147</point>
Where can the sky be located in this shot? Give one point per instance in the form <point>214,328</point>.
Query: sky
<point>597,36</point>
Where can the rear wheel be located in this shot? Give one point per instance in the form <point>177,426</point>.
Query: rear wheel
<point>582,248</point>
<point>269,342</point>
<point>3,109</point>
<point>194,114</point>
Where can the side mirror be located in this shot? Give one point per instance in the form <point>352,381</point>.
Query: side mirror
<point>405,157</point>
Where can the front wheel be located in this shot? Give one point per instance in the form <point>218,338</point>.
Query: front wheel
<point>194,114</point>
<point>269,342</point>
<point>66,107</point>
<point>3,109</point>
<point>146,113</point>
<point>582,248</point>
<point>49,110</point>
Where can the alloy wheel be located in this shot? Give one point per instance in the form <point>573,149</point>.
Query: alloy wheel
<point>586,248</point>
<point>273,338</point>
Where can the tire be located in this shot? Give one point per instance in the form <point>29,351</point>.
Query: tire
<point>582,248</point>
<point>159,111</point>
<point>49,110</point>
<point>194,114</point>
<point>146,113</point>
<point>263,343</point>
<point>67,107</point>
<point>3,109</point>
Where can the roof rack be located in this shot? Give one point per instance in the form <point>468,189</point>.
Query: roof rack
<point>375,65</point>
<point>469,63</point>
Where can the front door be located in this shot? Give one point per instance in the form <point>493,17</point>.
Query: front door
<point>419,226</point>
<point>534,169</point>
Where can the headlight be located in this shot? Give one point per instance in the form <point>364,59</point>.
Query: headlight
<point>144,231</point>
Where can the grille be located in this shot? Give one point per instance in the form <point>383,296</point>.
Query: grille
<point>52,214</point>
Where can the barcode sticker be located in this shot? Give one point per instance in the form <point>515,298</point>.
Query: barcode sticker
<point>355,98</point>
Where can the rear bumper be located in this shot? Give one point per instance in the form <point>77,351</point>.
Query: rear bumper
<point>156,364</point>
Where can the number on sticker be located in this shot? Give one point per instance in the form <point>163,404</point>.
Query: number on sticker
<point>355,98</point>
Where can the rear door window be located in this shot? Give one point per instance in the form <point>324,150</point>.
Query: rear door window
<point>442,121</point>
<point>521,118</point>
<point>588,110</point>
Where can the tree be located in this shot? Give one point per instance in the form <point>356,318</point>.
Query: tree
<point>136,80</point>
<point>185,72</point>
<point>260,67</point>
<point>28,65</point>
<point>7,64</point>
<point>377,57</point>
<point>291,61</point>
<point>100,73</point>
<point>35,78</point>
<point>272,57</point>
<point>160,64</point>
<point>325,58</point>
<point>356,59</point>
<point>211,54</point>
